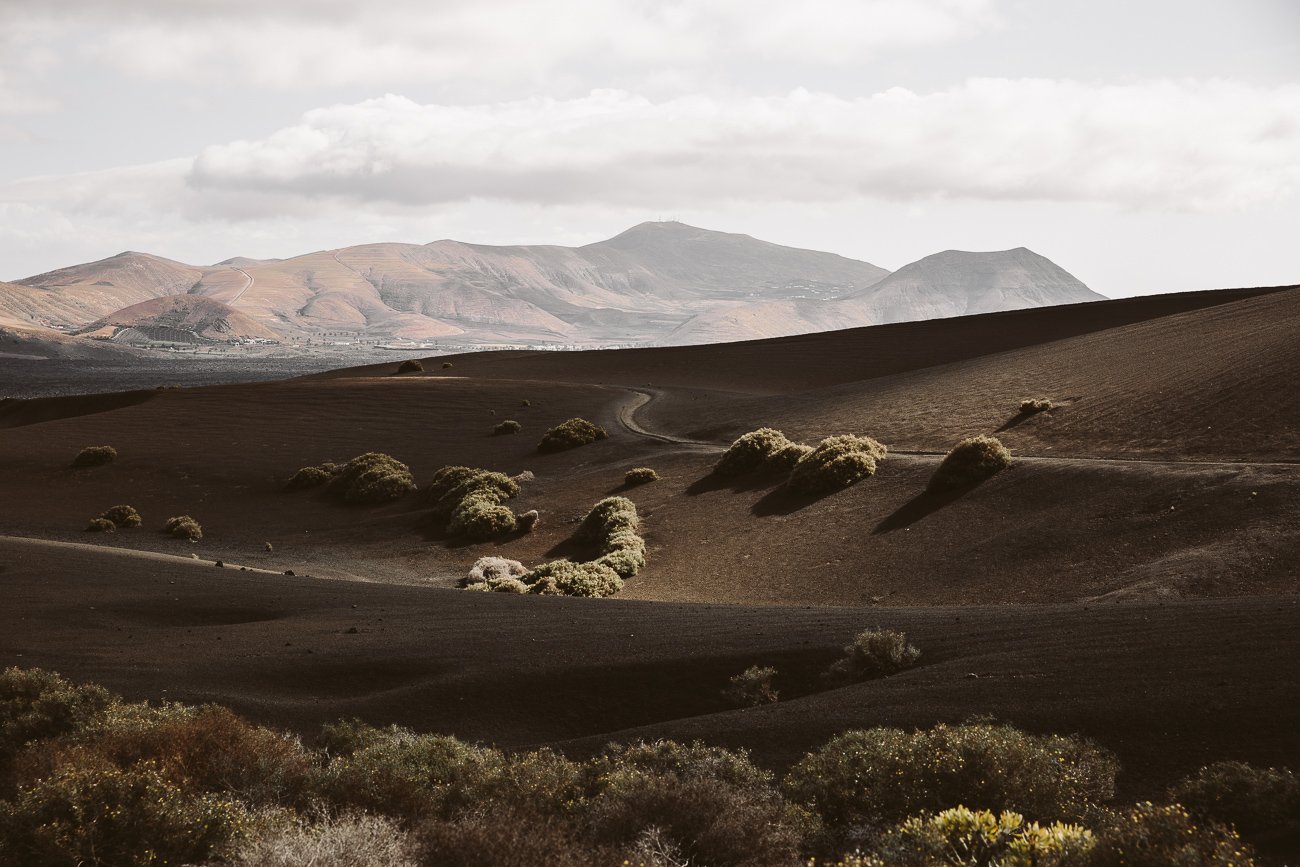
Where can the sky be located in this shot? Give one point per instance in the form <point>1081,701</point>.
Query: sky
<point>1143,145</point>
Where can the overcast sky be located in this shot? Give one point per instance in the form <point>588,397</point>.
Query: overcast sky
<point>1144,145</point>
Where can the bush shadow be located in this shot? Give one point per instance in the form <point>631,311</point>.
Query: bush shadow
<point>922,505</point>
<point>782,501</point>
<point>739,484</point>
<point>1016,421</point>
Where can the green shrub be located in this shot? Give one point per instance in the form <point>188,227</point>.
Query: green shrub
<point>88,815</point>
<point>183,527</point>
<point>1256,801</point>
<point>566,578</point>
<point>1031,405</point>
<point>470,501</point>
<point>960,837</point>
<point>1159,836</point>
<point>372,478</point>
<point>480,518</point>
<point>122,516</point>
<point>100,525</point>
<point>882,776</point>
<point>752,687</point>
<point>36,704</point>
<point>351,840</point>
<point>509,426</point>
<point>569,435</point>
<point>312,477</point>
<point>765,448</point>
<point>972,460</point>
<point>873,653</point>
<point>411,365</point>
<point>836,463</point>
<point>640,476</point>
<point>613,526</point>
<point>95,456</point>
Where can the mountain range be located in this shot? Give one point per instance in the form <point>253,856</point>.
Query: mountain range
<point>660,283</point>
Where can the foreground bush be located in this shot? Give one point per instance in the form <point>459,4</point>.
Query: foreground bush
<point>971,460</point>
<point>183,527</point>
<point>1031,405</point>
<point>1255,801</point>
<point>37,704</point>
<point>752,687</point>
<point>882,776</point>
<point>507,427</point>
<point>566,578</point>
<point>411,365</point>
<point>766,448</point>
<point>873,653</point>
<point>961,837</point>
<point>103,815</point>
<point>122,517</point>
<point>569,435</point>
<point>95,456</point>
<point>372,478</point>
<point>470,499</point>
<point>836,463</point>
<point>353,840</point>
<point>640,476</point>
<point>1152,836</point>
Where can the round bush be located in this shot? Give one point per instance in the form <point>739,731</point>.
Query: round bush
<point>480,517</point>
<point>100,525</point>
<point>487,569</point>
<point>836,463</point>
<point>95,456</point>
<point>971,461</point>
<point>640,476</point>
<point>752,687</point>
<point>1031,405</point>
<point>411,365</point>
<point>310,477</point>
<point>446,365</point>
<point>373,478</point>
<point>183,527</point>
<point>1253,800</point>
<point>507,427</point>
<point>873,653</point>
<point>122,516</point>
<point>753,450</point>
<point>37,704</point>
<point>566,578</point>
<point>1159,836</point>
<point>569,435</point>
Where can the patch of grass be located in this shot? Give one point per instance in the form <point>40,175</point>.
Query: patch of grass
<point>183,527</point>
<point>95,456</point>
<point>372,478</point>
<point>752,687</point>
<point>766,449</point>
<point>640,476</point>
<point>1031,405</point>
<point>1256,801</point>
<point>836,463</point>
<point>872,653</point>
<point>411,365</point>
<point>100,525</point>
<point>879,777</point>
<point>971,461</point>
<point>569,435</point>
<point>122,517</point>
<point>509,426</point>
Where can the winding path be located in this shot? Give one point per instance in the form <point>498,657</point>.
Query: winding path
<point>247,286</point>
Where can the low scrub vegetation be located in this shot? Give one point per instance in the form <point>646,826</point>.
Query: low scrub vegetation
<point>752,687</point>
<point>183,527</point>
<point>411,365</point>
<point>836,463</point>
<point>371,479</point>
<point>100,525</point>
<point>1031,405</point>
<point>640,476</point>
<point>121,517</point>
<point>764,449</point>
<point>507,427</point>
<point>469,501</point>
<point>872,653</point>
<point>569,435</point>
<point>95,456</point>
<point>1258,802</point>
<point>971,461</point>
<point>312,477</point>
<point>89,779</point>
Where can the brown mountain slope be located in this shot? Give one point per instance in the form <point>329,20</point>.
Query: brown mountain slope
<point>204,318</point>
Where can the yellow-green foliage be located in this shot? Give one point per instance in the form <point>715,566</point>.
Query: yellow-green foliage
<point>752,687</point>
<point>766,448</point>
<point>569,435</point>
<point>470,499</point>
<point>37,704</point>
<point>104,815</point>
<point>509,426</point>
<point>640,476</point>
<point>1256,801</point>
<point>183,527</point>
<point>1031,405</point>
<point>836,463</point>
<point>372,478</point>
<point>312,477</point>
<point>873,653</point>
<point>1159,836</point>
<point>613,526</point>
<point>100,525</point>
<point>94,456</point>
<point>885,775</point>
<point>972,460</point>
<point>566,578</point>
<point>122,516</point>
<point>960,837</point>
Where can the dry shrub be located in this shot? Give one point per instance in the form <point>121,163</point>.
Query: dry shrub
<point>971,461</point>
<point>312,477</point>
<point>1160,836</point>
<point>36,704</point>
<point>569,435</point>
<point>446,365</point>
<point>640,476</point>
<point>872,653</point>
<point>837,462</point>
<point>469,500</point>
<point>880,777</point>
<point>487,569</point>
<point>95,456</point>
<point>183,527</point>
<point>613,527</point>
<point>566,578</point>
<point>100,525</point>
<point>1258,802</point>
<point>481,517</point>
<point>752,687</point>
<point>350,840</point>
<point>766,449</point>
<point>512,836</point>
<point>411,365</point>
<point>93,814</point>
<point>509,426</point>
<point>122,516</point>
<point>960,837</point>
<point>1031,405</point>
<point>372,478</point>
